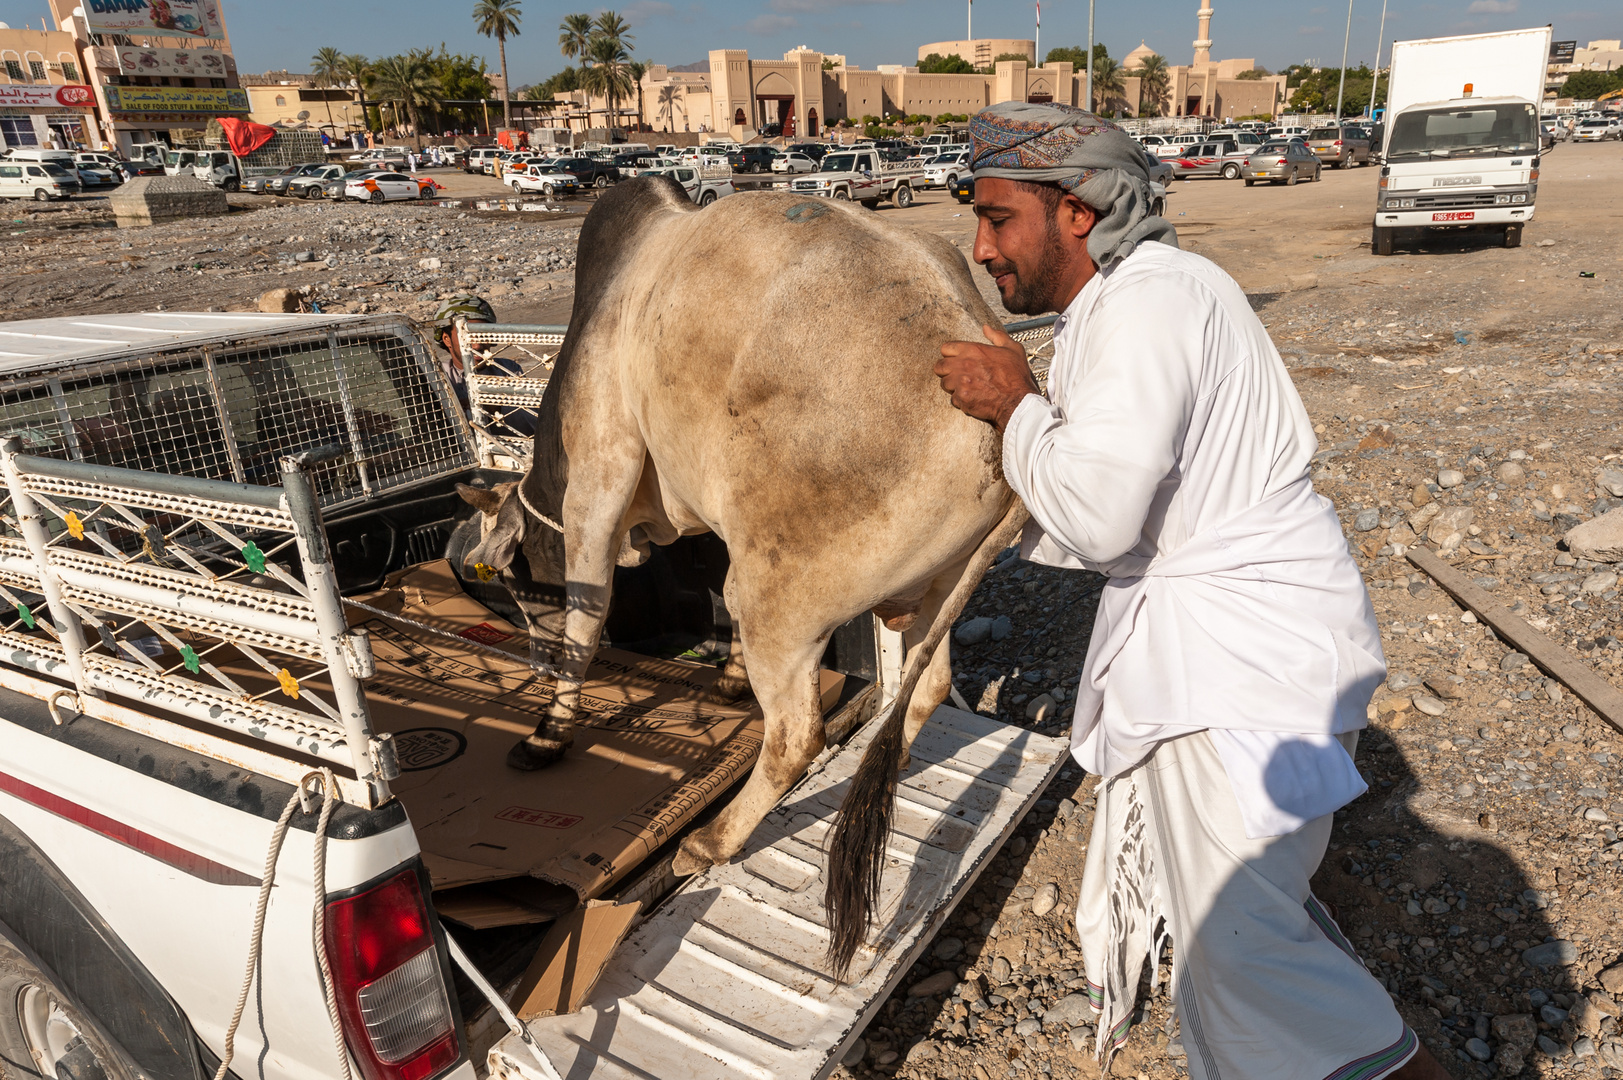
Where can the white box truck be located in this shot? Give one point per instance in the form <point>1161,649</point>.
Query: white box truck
<point>1462,138</point>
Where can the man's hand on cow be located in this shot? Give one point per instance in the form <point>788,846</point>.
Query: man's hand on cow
<point>986,381</point>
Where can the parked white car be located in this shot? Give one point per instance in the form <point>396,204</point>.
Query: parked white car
<point>793,163</point>
<point>944,170</point>
<point>384,187</point>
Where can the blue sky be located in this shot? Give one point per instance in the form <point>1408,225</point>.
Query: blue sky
<point>284,33</point>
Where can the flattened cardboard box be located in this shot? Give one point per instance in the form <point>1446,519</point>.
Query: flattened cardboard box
<point>650,751</point>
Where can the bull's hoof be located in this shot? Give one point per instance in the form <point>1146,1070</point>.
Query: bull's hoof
<point>729,690</point>
<point>535,753</point>
<point>688,861</point>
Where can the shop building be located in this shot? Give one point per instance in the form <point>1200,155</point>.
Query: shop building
<point>44,98</point>
<point>155,84</point>
<point>286,99</point>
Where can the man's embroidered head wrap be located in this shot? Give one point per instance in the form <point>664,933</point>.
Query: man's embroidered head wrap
<point>1089,157</point>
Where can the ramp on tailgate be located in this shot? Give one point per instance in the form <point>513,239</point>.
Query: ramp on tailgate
<point>725,980</point>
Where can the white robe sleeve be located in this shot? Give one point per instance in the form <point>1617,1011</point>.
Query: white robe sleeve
<point>1090,473</point>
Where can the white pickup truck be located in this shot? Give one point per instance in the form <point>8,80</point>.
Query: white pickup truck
<point>704,183</point>
<point>862,176</point>
<point>215,761</point>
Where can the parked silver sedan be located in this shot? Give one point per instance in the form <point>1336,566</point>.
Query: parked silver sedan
<point>1280,161</point>
<point>1160,171</point>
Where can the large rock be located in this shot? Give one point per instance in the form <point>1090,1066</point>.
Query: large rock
<point>1447,528</point>
<point>1600,539</point>
<point>147,200</point>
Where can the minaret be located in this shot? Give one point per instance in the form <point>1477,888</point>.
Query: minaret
<point>1203,44</point>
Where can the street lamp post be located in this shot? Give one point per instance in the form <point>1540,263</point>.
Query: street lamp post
<point>1380,39</point>
<point>1344,43</point>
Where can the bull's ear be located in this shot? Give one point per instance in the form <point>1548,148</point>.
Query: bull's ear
<point>507,533</point>
<point>485,500</point>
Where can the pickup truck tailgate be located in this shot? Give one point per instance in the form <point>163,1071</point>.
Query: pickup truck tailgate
<point>725,980</point>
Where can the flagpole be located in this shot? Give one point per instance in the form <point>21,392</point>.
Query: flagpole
<point>1038,44</point>
<point>1089,105</point>
<point>970,30</point>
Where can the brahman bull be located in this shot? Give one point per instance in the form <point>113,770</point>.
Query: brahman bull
<point>761,369</point>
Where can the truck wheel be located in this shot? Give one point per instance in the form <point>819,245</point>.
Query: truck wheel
<point>311,192</point>
<point>601,182</point>
<point>707,198</point>
<point>1380,240</point>
<point>42,1033</point>
<point>41,195</point>
<point>1513,236</point>
<point>903,197</point>
<point>1231,172</point>
<point>842,194</point>
<point>231,183</point>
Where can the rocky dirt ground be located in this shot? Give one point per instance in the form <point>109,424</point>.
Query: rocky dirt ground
<point>1464,395</point>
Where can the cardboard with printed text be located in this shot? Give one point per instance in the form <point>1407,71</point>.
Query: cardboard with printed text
<point>651,750</point>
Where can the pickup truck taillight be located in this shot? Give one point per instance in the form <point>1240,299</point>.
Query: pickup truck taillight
<point>391,992</point>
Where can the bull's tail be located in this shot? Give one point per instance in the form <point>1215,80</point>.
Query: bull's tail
<point>857,855</point>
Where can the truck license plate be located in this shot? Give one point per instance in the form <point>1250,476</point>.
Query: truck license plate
<point>1455,215</point>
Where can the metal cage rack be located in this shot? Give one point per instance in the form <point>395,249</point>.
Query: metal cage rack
<point>231,410</point>
<point>204,599</point>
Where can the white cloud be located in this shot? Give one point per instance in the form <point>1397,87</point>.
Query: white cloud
<point>768,25</point>
<point>1493,7</point>
<point>786,6</point>
<point>643,10</point>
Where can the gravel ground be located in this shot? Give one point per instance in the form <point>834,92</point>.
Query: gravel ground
<point>1464,399</point>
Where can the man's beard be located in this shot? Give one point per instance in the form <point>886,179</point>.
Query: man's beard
<point>1034,291</point>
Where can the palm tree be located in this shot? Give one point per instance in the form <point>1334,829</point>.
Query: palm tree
<point>407,79</point>
<point>499,19</point>
<point>667,105</point>
<point>1155,82</point>
<point>608,75</point>
<point>356,70</point>
<point>610,25</point>
<point>1107,76</point>
<point>637,69</point>
<point>327,65</point>
<point>575,36</point>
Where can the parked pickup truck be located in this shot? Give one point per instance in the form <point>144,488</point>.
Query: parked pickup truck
<point>703,183</point>
<point>227,542</point>
<point>862,176</point>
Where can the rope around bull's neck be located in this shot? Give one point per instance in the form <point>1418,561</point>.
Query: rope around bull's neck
<point>525,502</point>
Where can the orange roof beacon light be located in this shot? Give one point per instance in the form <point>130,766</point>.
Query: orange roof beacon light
<point>1467,89</point>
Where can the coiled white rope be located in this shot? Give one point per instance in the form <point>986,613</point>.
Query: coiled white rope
<point>329,800</point>
<point>256,939</point>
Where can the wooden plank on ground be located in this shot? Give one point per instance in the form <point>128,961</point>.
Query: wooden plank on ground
<point>1551,658</point>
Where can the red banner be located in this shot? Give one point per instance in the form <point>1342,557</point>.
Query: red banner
<point>245,136</point>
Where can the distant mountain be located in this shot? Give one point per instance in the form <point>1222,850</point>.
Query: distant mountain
<point>702,65</point>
